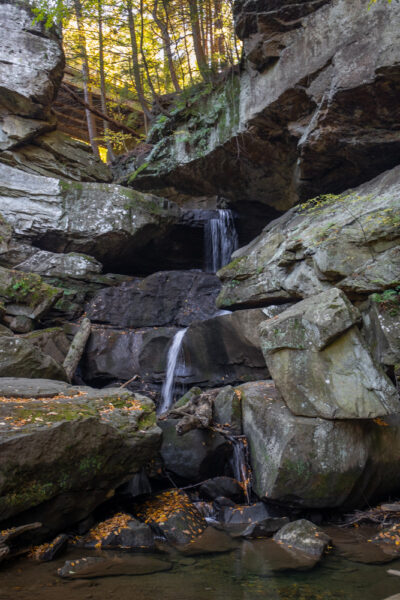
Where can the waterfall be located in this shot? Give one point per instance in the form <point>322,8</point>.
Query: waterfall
<point>220,240</point>
<point>240,463</point>
<point>167,392</point>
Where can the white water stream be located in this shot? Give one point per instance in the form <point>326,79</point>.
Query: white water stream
<point>167,392</point>
<point>220,240</point>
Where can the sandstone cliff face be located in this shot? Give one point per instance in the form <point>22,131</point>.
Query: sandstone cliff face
<point>313,110</point>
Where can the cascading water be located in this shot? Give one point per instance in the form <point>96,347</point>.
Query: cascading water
<point>220,240</point>
<point>240,463</point>
<point>167,392</point>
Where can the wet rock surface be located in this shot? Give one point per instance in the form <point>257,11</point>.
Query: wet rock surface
<point>92,566</point>
<point>304,537</point>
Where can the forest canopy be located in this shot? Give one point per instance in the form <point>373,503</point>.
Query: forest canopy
<point>140,54</point>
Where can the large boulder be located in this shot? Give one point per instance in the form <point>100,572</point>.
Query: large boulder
<point>300,119</point>
<point>196,455</point>
<point>31,64</point>
<point>52,341</point>
<point>349,241</point>
<point>320,362</point>
<point>224,349</point>
<point>381,329</point>
<point>115,354</point>
<point>65,449</point>
<point>107,221</point>
<point>168,298</point>
<point>21,358</point>
<point>314,462</point>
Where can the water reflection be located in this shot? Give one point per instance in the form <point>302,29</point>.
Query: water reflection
<point>244,574</point>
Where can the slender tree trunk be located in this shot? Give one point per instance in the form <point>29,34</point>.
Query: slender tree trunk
<point>185,34</point>
<point>196,33</point>
<point>103,79</point>
<point>146,66</point>
<point>135,61</point>
<point>91,122</point>
<point>163,27</point>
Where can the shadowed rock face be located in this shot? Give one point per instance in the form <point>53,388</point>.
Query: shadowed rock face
<point>316,108</point>
<point>168,298</point>
<point>216,351</point>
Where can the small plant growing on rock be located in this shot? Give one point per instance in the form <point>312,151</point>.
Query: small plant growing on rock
<point>389,300</point>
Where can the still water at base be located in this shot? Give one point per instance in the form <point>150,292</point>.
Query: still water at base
<point>236,575</point>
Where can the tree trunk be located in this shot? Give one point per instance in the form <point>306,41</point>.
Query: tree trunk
<point>163,27</point>
<point>135,61</point>
<point>146,66</point>
<point>103,79</point>
<point>91,122</point>
<point>76,349</point>
<point>196,33</point>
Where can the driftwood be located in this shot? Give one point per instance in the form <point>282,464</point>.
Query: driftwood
<point>8,535</point>
<point>76,348</point>
<point>385,514</point>
<point>196,414</point>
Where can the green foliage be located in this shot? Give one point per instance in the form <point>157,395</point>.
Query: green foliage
<point>138,170</point>
<point>389,300</point>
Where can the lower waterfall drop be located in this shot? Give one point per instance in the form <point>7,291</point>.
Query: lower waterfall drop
<point>167,392</point>
<point>220,240</point>
<point>240,463</point>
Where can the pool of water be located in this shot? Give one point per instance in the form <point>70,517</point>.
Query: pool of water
<point>235,575</point>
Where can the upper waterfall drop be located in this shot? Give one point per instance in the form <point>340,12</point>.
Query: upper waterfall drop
<point>220,240</point>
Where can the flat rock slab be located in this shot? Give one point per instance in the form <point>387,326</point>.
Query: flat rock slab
<point>93,567</point>
<point>64,452</point>
<point>209,542</point>
<point>349,241</point>
<point>265,557</point>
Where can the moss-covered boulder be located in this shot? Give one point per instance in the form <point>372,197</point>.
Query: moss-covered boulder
<point>350,241</point>
<point>65,449</point>
<point>26,293</point>
<point>321,364</point>
<point>20,358</point>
